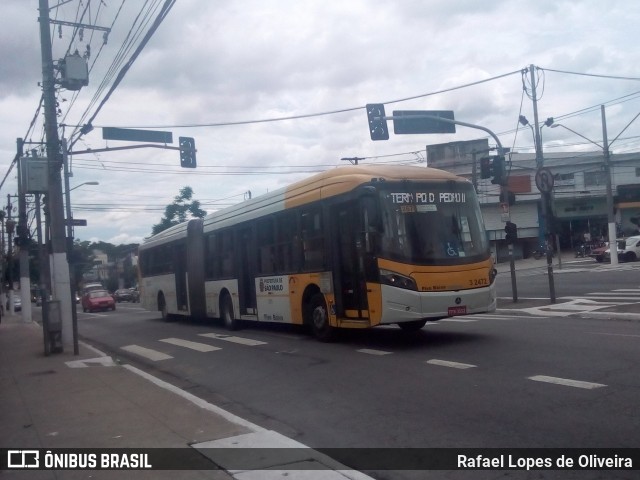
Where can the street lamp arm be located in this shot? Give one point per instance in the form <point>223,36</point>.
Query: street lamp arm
<point>85,183</point>
<point>624,129</point>
<point>579,134</point>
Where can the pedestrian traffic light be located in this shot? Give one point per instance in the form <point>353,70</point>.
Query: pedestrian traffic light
<point>485,167</point>
<point>377,124</point>
<point>187,152</point>
<point>511,230</point>
<point>498,171</point>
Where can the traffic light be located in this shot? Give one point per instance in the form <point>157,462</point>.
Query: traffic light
<point>511,230</point>
<point>187,152</point>
<point>498,171</point>
<point>377,125</point>
<point>485,167</point>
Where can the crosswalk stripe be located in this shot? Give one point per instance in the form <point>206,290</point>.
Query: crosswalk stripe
<point>566,382</point>
<point>230,338</point>
<point>447,363</point>
<point>153,355</point>
<point>370,351</point>
<point>200,347</point>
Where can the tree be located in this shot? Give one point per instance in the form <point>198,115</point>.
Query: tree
<point>179,211</point>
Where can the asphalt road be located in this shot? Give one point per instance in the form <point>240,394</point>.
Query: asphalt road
<point>508,379</point>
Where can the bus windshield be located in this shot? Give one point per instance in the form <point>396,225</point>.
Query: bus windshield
<point>432,223</point>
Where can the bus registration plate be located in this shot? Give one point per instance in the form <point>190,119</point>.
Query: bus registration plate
<point>460,310</point>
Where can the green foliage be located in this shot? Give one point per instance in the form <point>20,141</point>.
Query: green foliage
<point>182,208</point>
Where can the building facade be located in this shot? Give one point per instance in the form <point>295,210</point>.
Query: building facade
<point>578,200</point>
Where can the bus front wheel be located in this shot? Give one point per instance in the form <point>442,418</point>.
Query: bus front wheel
<point>320,325</point>
<point>412,326</point>
<point>227,314</point>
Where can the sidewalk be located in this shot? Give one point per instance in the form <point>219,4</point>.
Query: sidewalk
<point>584,307</point>
<point>88,401</point>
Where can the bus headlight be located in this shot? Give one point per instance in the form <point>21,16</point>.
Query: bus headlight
<point>493,273</point>
<point>394,279</point>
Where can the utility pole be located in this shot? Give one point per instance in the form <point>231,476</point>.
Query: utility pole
<point>546,196</point>
<point>23,238</point>
<point>60,284</point>
<point>11,224</point>
<point>611,220</point>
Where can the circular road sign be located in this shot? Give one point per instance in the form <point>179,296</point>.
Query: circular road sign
<point>544,180</point>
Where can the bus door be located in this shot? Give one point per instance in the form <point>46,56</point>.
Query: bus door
<point>349,279</point>
<point>246,279</point>
<point>180,269</point>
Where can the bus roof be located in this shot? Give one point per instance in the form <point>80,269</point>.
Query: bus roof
<point>322,185</point>
<point>316,187</point>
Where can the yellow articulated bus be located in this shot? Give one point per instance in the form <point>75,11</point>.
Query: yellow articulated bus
<point>353,247</point>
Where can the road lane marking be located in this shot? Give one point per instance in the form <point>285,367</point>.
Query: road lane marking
<point>200,347</point>
<point>370,351</point>
<point>614,334</point>
<point>232,339</point>
<point>566,382</point>
<point>153,355</point>
<point>446,363</point>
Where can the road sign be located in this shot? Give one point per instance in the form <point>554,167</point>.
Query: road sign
<point>77,222</point>
<point>544,180</point>
<point>427,123</point>
<point>133,135</point>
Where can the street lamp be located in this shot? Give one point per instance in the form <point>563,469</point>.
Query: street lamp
<point>613,246</point>
<point>85,183</point>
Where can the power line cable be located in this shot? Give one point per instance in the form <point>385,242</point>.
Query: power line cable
<point>319,114</point>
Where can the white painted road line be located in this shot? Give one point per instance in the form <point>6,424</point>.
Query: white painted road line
<point>153,355</point>
<point>459,320</point>
<point>446,363</point>
<point>232,339</point>
<point>566,382</point>
<point>200,347</point>
<point>373,352</point>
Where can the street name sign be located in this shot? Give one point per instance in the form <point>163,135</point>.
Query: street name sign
<point>423,121</point>
<point>134,135</point>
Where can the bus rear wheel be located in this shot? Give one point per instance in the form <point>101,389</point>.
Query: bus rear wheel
<point>226,308</point>
<point>162,306</point>
<point>319,319</point>
<point>412,326</point>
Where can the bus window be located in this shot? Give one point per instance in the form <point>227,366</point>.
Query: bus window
<point>286,236</point>
<point>266,247</point>
<point>312,239</point>
<point>227,263</point>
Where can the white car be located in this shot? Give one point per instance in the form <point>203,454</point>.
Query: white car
<point>628,250</point>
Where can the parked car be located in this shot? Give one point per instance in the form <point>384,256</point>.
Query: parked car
<point>628,250</point>
<point>17,303</point>
<point>598,253</point>
<point>123,295</point>
<point>97,300</point>
<point>135,294</point>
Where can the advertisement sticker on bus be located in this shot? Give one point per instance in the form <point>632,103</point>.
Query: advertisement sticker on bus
<point>273,301</point>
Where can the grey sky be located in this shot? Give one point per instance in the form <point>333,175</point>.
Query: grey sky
<point>229,61</point>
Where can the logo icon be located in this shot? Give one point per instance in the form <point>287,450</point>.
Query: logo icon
<point>23,459</point>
